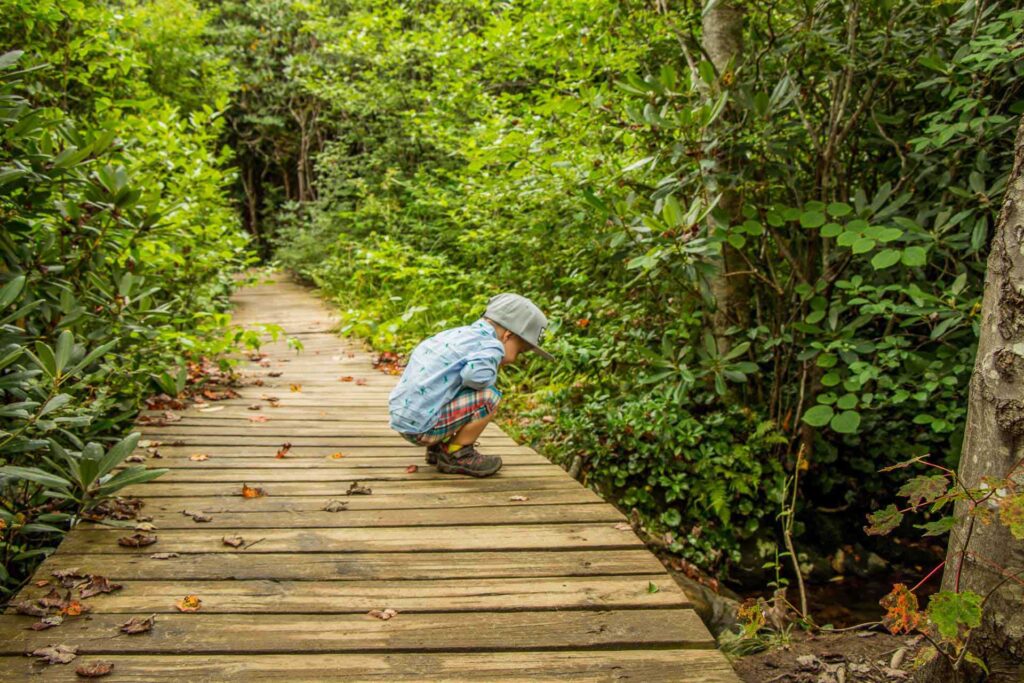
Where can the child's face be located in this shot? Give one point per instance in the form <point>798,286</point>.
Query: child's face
<point>514,345</point>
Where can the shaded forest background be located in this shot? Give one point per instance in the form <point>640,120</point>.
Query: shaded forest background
<point>760,230</point>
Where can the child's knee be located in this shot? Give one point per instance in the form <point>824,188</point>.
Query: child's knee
<point>491,399</point>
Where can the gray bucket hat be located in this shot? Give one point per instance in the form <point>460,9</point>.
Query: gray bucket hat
<point>518,314</point>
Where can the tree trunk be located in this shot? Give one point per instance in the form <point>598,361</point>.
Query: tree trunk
<point>723,42</point>
<point>981,556</point>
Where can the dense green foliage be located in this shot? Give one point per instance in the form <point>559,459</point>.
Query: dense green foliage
<point>589,155</point>
<point>117,244</point>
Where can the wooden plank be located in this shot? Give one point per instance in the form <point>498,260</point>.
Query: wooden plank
<point>285,633</point>
<point>333,489</point>
<point>268,461</point>
<point>358,597</point>
<point>378,539</point>
<point>328,474</point>
<point>374,566</point>
<point>582,666</point>
<point>497,514</point>
<point>413,501</point>
<point>337,443</point>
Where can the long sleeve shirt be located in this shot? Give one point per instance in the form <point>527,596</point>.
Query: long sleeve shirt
<point>438,368</point>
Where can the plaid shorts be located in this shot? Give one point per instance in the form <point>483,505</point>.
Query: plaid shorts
<point>469,405</point>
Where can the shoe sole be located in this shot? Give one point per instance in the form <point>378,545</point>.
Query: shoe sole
<point>455,469</point>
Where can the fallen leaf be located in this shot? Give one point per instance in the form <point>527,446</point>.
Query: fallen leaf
<point>47,622</point>
<point>98,584</point>
<point>54,599</point>
<point>138,625</point>
<point>28,608</point>
<point>137,540</point>
<point>295,387</point>
<point>337,455</point>
<point>258,418</point>
<point>144,526</point>
<point>346,378</point>
<point>383,615</point>
<point>336,506</point>
<point>94,669</point>
<point>255,406</point>
<point>362,383</point>
<point>652,587</point>
<point>547,419</point>
<point>265,364</point>
<point>624,526</point>
<point>75,608</point>
<point>67,577</point>
<point>283,450</point>
<point>197,516</point>
<point>355,489</point>
<point>412,469</point>
<point>42,582</point>
<point>57,654</point>
<point>252,491</point>
<point>146,443</point>
<point>518,499</point>
<point>135,458</point>
<point>171,417</point>
<point>211,409</point>
<point>198,457</point>
<point>233,541</point>
<point>163,556</point>
<point>190,603</point>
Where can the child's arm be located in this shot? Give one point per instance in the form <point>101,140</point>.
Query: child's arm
<point>481,368</point>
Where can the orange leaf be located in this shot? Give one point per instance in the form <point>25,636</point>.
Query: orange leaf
<point>283,451</point>
<point>901,613</point>
<point>198,457</point>
<point>74,608</point>
<point>337,455</point>
<point>346,378</point>
<point>258,418</point>
<point>296,387</point>
<point>190,603</point>
<point>252,491</point>
<point>412,468</point>
<point>361,382</point>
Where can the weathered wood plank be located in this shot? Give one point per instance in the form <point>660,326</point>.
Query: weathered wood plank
<point>354,566</point>
<point>430,632</point>
<point>358,597</point>
<point>379,539</point>
<point>589,666</point>
<point>498,514</point>
<point>328,474</point>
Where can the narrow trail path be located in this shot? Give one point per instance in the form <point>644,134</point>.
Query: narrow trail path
<point>486,585</point>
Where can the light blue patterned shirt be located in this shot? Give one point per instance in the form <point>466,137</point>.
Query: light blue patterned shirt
<point>438,368</point>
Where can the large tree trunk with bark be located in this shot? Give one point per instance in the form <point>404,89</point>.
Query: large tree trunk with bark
<point>985,557</point>
<point>722,39</point>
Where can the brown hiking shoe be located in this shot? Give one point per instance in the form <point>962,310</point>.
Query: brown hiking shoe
<point>468,460</point>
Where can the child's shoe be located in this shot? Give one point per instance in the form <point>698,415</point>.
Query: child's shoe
<point>433,450</point>
<point>468,460</point>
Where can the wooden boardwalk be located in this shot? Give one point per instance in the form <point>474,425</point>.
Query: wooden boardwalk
<point>486,585</point>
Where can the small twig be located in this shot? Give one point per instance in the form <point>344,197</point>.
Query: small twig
<point>252,544</point>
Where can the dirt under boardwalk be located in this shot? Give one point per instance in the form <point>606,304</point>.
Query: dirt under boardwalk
<point>525,575</point>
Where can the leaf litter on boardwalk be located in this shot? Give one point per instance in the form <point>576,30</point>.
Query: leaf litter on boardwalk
<point>95,669</point>
<point>252,491</point>
<point>283,451</point>
<point>233,541</point>
<point>356,489</point>
<point>138,625</point>
<point>56,654</point>
<point>336,506</point>
<point>137,540</point>
<point>384,614</point>
<point>197,516</point>
<point>189,603</point>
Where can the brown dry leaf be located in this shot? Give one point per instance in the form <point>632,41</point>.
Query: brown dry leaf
<point>337,455</point>
<point>277,373</point>
<point>67,577</point>
<point>198,457</point>
<point>94,669</point>
<point>171,417</point>
<point>233,541</point>
<point>252,491</point>
<point>624,526</point>
<point>265,364</point>
<point>163,556</point>
<point>255,406</point>
<point>336,506</point>
<point>411,469</point>
<point>361,382</point>
<point>383,615</point>
<point>47,622</point>
<point>98,584</point>
<point>211,409</point>
<point>355,489</point>
<point>56,654</point>
<point>54,599</point>
<point>148,443</point>
<point>295,387</point>
<point>346,378</point>
<point>189,603</point>
<point>135,458</point>
<point>28,608</point>
<point>145,526</point>
<point>518,499</point>
<point>197,516</point>
<point>42,582</point>
<point>258,418</point>
<point>75,608</point>
<point>137,540</point>
<point>283,450</point>
<point>138,625</point>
